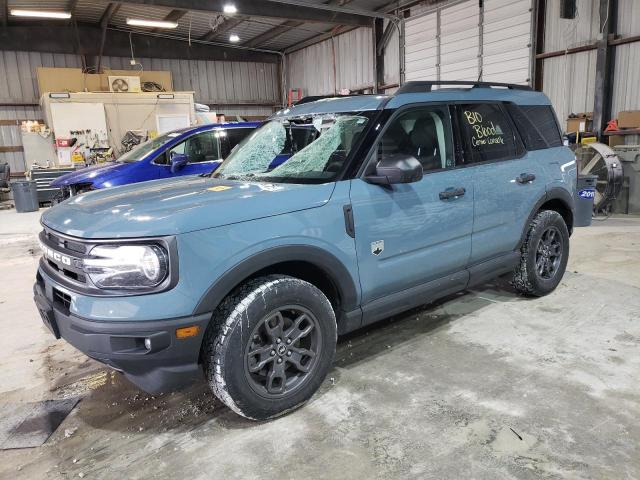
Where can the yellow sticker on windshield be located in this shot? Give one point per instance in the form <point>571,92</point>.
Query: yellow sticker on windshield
<point>219,188</point>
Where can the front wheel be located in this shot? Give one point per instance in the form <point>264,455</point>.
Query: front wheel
<point>544,255</point>
<point>271,344</point>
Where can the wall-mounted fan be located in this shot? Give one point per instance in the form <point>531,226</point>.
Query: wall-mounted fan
<point>124,84</point>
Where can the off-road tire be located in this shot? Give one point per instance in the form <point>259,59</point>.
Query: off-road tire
<point>526,279</point>
<point>228,337</point>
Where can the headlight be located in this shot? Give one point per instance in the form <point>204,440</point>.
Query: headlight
<point>131,267</point>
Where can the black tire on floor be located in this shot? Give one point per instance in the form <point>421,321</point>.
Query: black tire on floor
<point>527,279</point>
<point>261,312</point>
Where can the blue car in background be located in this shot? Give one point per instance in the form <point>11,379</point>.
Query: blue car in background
<point>189,151</point>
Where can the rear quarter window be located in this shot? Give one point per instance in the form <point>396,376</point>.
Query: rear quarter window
<point>537,125</point>
<point>488,133</point>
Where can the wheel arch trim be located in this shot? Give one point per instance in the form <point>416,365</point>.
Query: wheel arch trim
<point>334,269</point>
<point>555,193</point>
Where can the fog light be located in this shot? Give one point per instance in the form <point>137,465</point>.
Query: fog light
<point>147,343</point>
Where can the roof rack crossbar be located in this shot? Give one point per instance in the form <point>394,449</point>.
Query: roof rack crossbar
<point>426,86</point>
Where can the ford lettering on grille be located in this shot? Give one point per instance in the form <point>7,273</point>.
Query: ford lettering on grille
<point>55,256</point>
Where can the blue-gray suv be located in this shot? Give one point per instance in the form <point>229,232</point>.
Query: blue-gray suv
<point>245,277</point>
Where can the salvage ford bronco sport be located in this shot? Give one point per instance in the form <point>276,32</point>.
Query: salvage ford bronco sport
<point>245,277</point>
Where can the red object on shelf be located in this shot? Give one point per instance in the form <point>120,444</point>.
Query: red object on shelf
<point>612,126</point>
<point>63,142</point>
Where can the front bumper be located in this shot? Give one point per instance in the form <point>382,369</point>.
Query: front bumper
<point>169,364</point>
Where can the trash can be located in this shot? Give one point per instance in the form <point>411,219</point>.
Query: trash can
<point>25,196</point>
<point>584,201</point>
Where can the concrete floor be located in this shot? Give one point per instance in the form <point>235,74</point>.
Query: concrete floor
<point>485,384</point>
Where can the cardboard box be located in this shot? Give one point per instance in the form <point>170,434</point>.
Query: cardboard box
<point>629,119</point>
<point>616,140</point>
<point>578,125</point>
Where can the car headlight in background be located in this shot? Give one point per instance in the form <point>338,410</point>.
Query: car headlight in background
<point>130,267</point>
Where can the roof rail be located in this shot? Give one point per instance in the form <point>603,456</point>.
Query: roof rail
<point>313,98</point>
<point>426,86</point>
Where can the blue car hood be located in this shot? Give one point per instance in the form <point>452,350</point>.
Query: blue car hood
<point>94,174</point>
<point>174,206</point>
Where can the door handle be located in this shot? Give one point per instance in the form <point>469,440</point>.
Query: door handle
<point>525,178</point>
<point>452,193</point>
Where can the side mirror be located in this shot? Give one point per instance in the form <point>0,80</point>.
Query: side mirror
<point>397,168</point>
<point>178,161</point>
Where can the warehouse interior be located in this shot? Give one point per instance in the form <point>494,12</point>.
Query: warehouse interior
<point>483,383</point>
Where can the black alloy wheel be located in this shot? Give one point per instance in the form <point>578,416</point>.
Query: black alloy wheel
<point>549,253</point>
<point>283,351</point>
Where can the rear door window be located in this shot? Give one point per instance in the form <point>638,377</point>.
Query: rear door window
<point>488,133</point>
<point>537,125</point>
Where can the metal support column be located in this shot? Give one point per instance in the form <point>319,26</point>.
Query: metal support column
<point>605,62</point>
<point>378,53</point>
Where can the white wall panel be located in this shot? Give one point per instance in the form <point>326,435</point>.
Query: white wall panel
<point>626,80</point>
<point>506,41</point>
<point>628,17</point>
<point>312,68</point>
<point>569,83</point>
<point>421,47</point>
<point>560,33</point>
<point>459,41</point>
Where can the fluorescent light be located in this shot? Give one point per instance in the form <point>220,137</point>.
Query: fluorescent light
<point>138,22</point>
<point>40,14</point>
<point>234,38</point>
<point>230,8</point>
<point>59,95</point>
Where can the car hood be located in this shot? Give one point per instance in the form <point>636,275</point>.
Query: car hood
<point>93,174</point>
<point>174,206</point>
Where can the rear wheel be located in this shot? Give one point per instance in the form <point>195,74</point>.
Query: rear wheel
<point>271,344</point>
<point>544,255</point>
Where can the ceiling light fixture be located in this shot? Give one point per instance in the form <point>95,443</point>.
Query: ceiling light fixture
<point>234,38</point>
<point>230,8</point>
<point>137,22</point>
<point>40,14</point>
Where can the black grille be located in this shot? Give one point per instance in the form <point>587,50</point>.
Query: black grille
<point>72,251</point>
<point>61,298</point>
<point>65,243</point>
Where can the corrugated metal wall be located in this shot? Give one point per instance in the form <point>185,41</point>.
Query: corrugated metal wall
<point>626,80</point>
<point>217,82</point>
<point>252,87</point>
<point>569,80</point>
<point>312,68</point>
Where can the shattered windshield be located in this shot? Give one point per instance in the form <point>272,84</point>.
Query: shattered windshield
<point>296,150</point>
<point>141,151</point>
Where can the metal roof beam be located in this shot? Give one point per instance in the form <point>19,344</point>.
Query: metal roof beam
<point>175,15</point>
<point>108,14</point>
<point>61,39</point>
<point>272,33</point>
<point>260,8</point>
<point>285,27</point>
<point>224,27</point>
